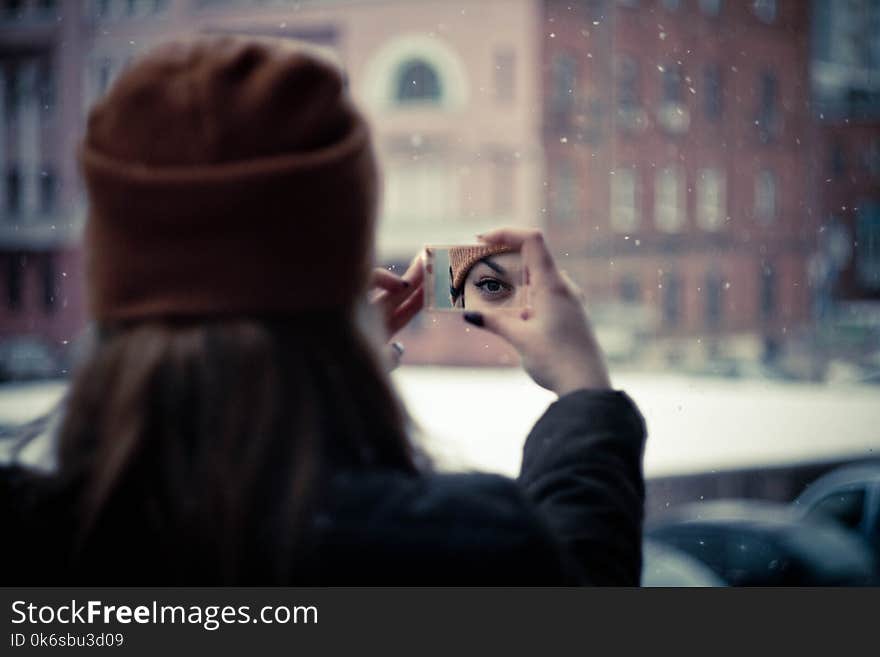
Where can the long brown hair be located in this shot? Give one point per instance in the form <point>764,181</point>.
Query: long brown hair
<point>206,428</point>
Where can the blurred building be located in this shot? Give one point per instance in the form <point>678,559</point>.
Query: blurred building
<point>846,84</point>
<point>689,122</point>
<point>40,54</point>
<point>665,145</point>
<point>454,107</point>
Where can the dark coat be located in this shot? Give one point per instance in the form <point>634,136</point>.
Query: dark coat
<point>573,516</point>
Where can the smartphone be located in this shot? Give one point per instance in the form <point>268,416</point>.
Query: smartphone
<point>473,277</point>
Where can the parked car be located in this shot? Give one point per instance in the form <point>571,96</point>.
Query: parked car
<point>23,359</point>
<point>665,566</point>
<point>849,496</point>
<point>748,543</point>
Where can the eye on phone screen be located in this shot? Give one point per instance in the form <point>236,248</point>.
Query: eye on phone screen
<point>473,277</point>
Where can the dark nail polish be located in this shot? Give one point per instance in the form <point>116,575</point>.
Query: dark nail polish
<point>474,318</point>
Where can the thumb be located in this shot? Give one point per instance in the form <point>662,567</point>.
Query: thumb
<point>503,323</point>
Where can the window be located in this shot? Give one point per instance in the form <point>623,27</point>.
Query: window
<point>13,282</point>
<point>837,160</point>
<point>12,91</point>
<point>710,7</point>
<point>624,200</point>
<point>104,74</point>
<point>766,292</point>
<point>845,507</point>
<point>712,97</point>
<point>671,293</point>
<point>868,240</point>
<point>418,82</point>
<point>714,289</point>
<point>593,130</point>
<point>768,119</point>
<point>630,290</point>
<point>143,7</point>
<point>564,188</point>
<point>505,75</point>
<point>13,191</point>
<point>765,196</point>
<point>765,10</point>
<point>47,189</point>
<point>768,93</point>
<point>49,282</point>
<point>46,85</point>
<point>711,199</point>
<point>564,76</point>
<point>872,156</point>
<point>672,83</point>
<point>102,8</point>
<point>627,83</point>
<point>669,199</point>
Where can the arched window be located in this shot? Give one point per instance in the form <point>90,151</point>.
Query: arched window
<point>418,82</point>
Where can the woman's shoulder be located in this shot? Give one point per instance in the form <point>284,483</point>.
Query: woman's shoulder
<point>438,528</point>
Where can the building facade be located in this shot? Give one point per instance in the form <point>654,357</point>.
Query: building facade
<point>690,123</point>
<point>453,108</point>
<point>667,147</point>
<point>40,308</point>
<point>846,84</point>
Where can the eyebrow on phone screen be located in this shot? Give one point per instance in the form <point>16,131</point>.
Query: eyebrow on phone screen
<point>494,266</point>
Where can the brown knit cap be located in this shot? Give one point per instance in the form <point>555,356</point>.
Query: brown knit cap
<point>462,258</point>
<point>227,175</point>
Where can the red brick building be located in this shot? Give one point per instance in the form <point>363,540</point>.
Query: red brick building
<point>846,88</point>
<point>678,138</point>
<point>849,192</point>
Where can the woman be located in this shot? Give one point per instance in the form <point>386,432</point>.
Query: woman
<point>485,277</point>
<point>234,422</point>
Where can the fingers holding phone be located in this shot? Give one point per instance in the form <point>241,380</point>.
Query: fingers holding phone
<point>545,320</point>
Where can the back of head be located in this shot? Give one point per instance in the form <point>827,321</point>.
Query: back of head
<point>237,165</point>
<point>232,191</point>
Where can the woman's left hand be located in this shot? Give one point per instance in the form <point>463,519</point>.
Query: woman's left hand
<point>398,299</point>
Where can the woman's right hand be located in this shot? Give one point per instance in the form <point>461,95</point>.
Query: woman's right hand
<point>552,333</point>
